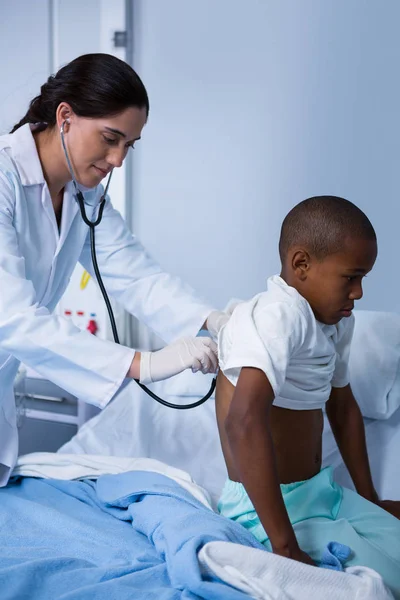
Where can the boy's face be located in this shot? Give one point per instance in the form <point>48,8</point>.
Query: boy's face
<point>332,285</point>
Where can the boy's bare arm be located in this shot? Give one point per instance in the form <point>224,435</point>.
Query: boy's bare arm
<point>247,426</point>
<point>348,428</point>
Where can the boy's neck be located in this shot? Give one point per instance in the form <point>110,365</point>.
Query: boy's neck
<point>289,279</point>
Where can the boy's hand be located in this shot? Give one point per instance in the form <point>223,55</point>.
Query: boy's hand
<point>295,553</point>
<point>391,506</point>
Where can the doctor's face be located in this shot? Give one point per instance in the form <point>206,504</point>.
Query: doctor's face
<point>96,146</point>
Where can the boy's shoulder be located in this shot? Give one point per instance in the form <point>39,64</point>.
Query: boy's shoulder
<point>278,312</point>
<point>282,301</point>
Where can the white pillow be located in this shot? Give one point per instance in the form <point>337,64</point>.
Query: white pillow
<point>375,363</point>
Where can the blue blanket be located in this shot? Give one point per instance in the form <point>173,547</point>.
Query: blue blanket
<point>134,535</point>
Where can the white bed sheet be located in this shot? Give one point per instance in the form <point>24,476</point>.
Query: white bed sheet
<point>134,425</point>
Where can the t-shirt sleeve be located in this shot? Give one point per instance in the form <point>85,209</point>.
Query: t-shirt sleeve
<point>262,337</point>
<point>341,376</point>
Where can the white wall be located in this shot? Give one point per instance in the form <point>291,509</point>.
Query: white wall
<point>76,29</point>
<point>25,57</point>
<point>256,105</point>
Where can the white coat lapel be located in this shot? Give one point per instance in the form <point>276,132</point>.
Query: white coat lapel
<point>69,211</point>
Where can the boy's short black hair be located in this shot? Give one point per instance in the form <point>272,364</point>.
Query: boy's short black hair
<point>322,224</point>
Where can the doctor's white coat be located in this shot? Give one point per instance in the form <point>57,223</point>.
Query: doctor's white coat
<point>36,263</point>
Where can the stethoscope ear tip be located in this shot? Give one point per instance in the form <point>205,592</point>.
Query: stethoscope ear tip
<point>63,125</point>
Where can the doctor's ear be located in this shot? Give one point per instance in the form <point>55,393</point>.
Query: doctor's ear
<point>64,113</point>
<point>300,263</point>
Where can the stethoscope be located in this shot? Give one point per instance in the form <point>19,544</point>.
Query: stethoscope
<point>92,225</point>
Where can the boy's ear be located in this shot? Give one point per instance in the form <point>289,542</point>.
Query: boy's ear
<point>301,263</point>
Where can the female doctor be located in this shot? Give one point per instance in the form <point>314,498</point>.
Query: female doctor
<point>102,106</point>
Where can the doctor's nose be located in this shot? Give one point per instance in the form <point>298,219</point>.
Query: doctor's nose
<point>116,157</point>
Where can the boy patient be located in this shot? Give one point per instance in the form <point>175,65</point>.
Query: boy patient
<point>283,358</point>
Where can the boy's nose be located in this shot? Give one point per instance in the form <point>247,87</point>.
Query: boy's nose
<point>356,292</point>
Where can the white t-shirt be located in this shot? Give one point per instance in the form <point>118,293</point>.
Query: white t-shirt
<point>277,332</point>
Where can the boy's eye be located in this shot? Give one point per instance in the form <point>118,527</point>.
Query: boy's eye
<point>354,277</point>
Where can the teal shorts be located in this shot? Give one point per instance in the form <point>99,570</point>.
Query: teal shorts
<point>322,511</point>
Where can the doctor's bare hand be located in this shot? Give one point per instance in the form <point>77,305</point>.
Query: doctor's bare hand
<point>198,354</point>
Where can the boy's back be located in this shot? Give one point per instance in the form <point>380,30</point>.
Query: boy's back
<point>296,436</point>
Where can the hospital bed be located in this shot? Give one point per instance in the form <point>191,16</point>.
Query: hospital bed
<point>96,521</point>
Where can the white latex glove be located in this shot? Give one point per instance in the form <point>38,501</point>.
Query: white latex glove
<point>198,354</point>
<point>217,319</point>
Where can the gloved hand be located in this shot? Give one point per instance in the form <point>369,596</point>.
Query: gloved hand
<point>199,354</point>
<point>217,319</point>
